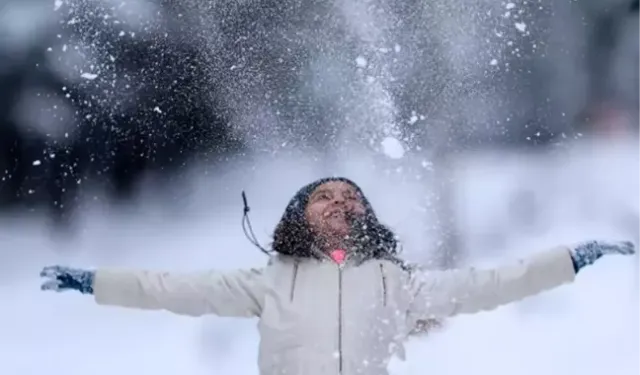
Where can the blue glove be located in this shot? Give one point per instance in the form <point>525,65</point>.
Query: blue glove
<point>586,253</point>
<point>61,279</point>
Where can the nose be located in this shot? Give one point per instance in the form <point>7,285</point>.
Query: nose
<point>338,199</point>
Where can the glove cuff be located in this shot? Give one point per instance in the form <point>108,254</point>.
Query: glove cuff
<point>86,282</point>
<point>585,254</point>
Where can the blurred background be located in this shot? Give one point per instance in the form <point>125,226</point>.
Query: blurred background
<point>481,130</point>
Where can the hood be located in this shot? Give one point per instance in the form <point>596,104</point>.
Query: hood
<point>292,236</point>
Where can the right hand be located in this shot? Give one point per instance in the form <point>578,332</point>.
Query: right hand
<point>61,279</point>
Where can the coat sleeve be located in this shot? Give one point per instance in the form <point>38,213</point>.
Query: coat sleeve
<point>438,294</point>
<point>230,294</point>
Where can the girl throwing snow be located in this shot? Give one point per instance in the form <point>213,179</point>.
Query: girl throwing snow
<point>335,299</point>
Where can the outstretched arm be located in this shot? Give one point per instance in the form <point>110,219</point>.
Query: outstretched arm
<point>436,294</point>
<point>232,294</point>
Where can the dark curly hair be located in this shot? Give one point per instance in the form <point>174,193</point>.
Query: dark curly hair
<point>293,236</point>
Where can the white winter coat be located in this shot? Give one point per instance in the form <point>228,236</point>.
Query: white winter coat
<point>318,318</point>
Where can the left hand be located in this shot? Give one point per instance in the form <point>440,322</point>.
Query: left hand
<point>586,253</point>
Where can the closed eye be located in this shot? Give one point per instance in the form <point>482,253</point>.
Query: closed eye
<point>351,196</point>
<point>322,196</point>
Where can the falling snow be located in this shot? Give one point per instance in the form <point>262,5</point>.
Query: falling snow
<point>392,147</point>
<point>520,26</point>
<point>361,62</point>
<point>89,76</point>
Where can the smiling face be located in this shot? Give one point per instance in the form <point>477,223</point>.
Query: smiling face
<point>329,211</point>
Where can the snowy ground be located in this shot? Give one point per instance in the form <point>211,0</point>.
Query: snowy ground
<point>588,328</point>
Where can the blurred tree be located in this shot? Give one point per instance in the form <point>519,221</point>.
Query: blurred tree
<point>108,95</point>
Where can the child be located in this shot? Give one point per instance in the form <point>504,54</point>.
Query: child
<point>334,299</point>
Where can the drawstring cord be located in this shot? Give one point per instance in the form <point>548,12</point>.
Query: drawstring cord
<point>246,226</point>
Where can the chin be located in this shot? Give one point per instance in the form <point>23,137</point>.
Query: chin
<point>341,233</point>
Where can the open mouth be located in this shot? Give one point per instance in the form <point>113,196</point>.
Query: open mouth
<point>335,213</point>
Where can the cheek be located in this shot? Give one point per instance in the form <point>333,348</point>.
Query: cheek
<point>359,208</point>
<point>313,215</point>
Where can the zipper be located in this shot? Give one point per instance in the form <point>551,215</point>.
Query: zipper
<point>293,281</point>
<point>340,319</point>
<point>384,285</point>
